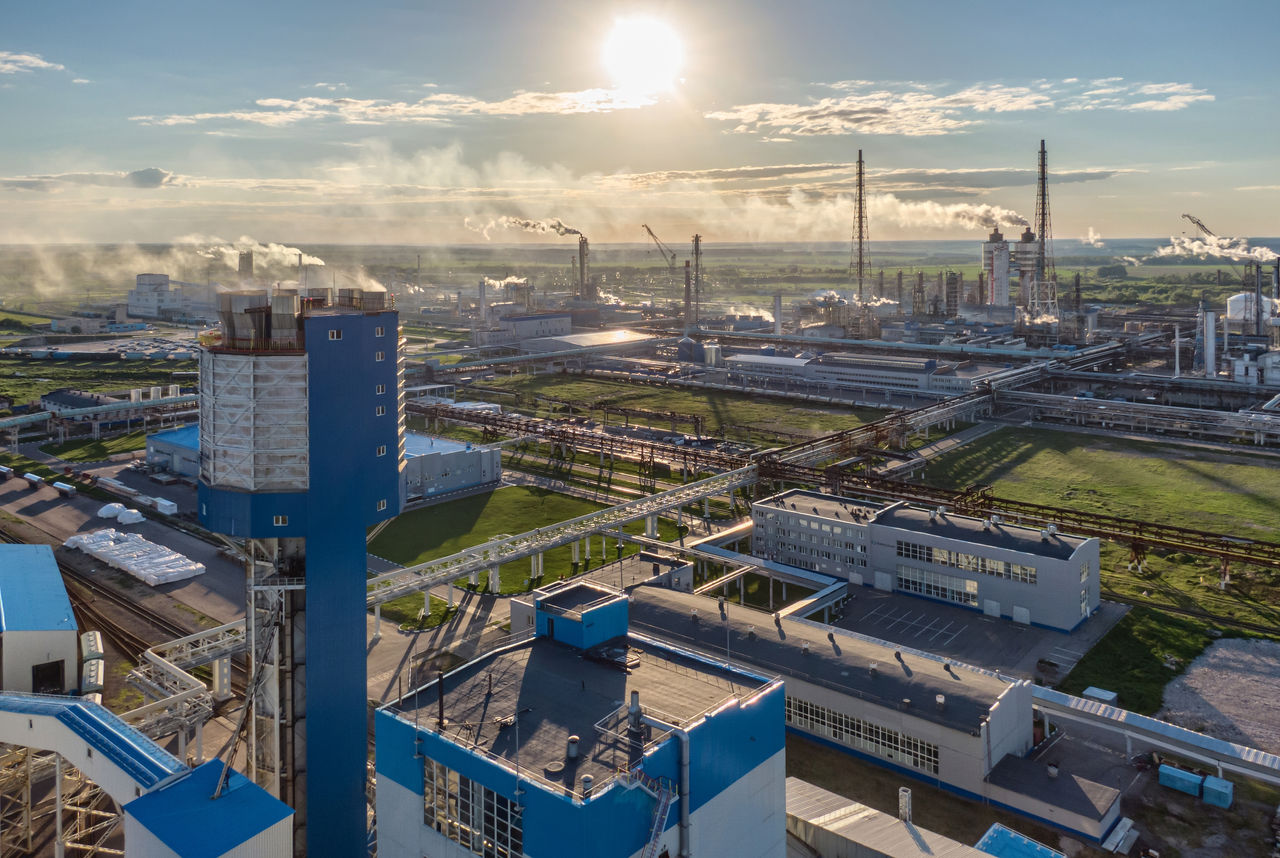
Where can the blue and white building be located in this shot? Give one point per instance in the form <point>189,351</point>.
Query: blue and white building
<point>301,451</point>
<point>584,738</point>
<point>39,642</point>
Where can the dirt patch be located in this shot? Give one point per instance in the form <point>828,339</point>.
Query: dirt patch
<point>1230,692</point>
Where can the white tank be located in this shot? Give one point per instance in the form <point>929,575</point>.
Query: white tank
<point>1240,307</point>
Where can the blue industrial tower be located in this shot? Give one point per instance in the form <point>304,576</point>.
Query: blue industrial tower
<point>301,428</point>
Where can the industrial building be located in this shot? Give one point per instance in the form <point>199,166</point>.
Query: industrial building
<point>848,371</point>
<point>583,738</point>
<point>952,725</point>
<point>518,327</point>
<point>175,451</point>
<point>1029,575</point>
<point>301,422</point>
<point>438,466</point>
<point>39,641</point>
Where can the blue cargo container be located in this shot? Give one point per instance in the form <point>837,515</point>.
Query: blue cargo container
<point>1218,792</point>
<point>1180,780</point>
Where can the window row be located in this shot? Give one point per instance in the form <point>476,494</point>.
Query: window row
<point>936,585</point>
<point>863,735</point>
<point>379,331</point>
<point>967,562</point>
<point>470,814</point>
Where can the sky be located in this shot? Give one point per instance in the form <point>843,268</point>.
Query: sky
<point>430,123</point>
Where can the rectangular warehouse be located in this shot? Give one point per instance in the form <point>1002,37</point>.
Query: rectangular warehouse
<point>1029,575</point>
<point>437,466</point>
<point>39,642</point>
<point>175,450</point>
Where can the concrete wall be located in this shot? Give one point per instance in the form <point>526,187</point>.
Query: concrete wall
<point>449,470</point>
<point>173,458</point>
<point>275,842</point>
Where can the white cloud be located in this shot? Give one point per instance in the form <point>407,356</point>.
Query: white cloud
<point>914,109</point>
<point>437,107</point>
<point>81,80</point>
<point>12,63</point>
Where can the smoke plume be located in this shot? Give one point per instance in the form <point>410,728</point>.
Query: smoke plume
<point>1093,239</point>
<point>1217,246</point>
<point>927,213</point>
<point>555,225</point>
<point>507,281</point>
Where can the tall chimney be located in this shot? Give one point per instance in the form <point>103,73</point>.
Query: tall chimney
<point>688,297</point>
<point>777,315</point>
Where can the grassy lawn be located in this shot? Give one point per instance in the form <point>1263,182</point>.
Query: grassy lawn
<point>89,450</point>
<point>1139,657</point>
<point>25,379</point>
<point>437,531</point>
<point>1231,493</point>
<point>740,415</point>
<point>1204,489</point>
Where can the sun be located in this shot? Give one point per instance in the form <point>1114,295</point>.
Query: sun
<point>642,55</point>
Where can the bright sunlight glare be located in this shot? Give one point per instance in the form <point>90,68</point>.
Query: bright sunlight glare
<point>642,55</point>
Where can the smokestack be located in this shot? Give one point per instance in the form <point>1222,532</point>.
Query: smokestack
<point>777,315</point>
<point>688,297</point>
<point>1210,344</point>
<point>482,309</point>
<point>246,265</point>
<point>582,268</point>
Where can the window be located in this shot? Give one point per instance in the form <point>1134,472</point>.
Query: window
<point>335,334</point>
<point>382,505</point>
<point>382,449</point>
<point>863,735</point>
<point>280,520</point>
<point>379,355</point>
<point>1084,571</point>
<point>379,331</point>
<point>380,389</point>
<point>380,411</point>
<point>470,814</point>
<point>936,585</point>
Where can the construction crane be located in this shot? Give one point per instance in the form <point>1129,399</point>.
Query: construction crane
<point>668,255</point>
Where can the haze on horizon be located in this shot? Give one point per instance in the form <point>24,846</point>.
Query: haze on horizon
<point>413,123</point>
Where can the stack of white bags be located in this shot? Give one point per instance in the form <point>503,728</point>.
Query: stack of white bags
<point>130,553</point>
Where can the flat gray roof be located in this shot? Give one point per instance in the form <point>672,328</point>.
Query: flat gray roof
<point>825,506</point>
<point>857,823</point>
<point>1072,793</point>
<point>967,529</point>
<point>556,691</point>
<point>841,663</point>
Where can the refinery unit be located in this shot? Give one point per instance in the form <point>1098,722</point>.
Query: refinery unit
<point>643,718</point>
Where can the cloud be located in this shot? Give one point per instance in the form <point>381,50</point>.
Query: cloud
<point>148,178</point>
<point>440,107</point>
<point>917,109</point>
<point>331,87</point>
<point>11,63</point>
<point>81,80</point>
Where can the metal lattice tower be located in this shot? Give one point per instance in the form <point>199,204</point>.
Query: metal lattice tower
<point>1044,298</point>
<point>860,257</point>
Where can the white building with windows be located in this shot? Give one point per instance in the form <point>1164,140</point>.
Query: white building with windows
<point>1031,576</point>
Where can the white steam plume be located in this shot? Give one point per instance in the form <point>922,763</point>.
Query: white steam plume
<point>926,213</point>
<point>1217,246</point>
<point>1093,239</point>
<point>507,281</point>
<point>551,225</point>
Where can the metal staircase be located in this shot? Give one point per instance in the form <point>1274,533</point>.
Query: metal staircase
<point>665,793</point>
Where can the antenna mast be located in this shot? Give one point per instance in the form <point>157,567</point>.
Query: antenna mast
<point>860,261</point>
<point>1045,297</point>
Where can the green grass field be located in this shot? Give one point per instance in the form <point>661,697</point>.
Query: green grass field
<point>741,415</point>
<point>26,380</point>
<point>89,450</point>
<point>438,531</point>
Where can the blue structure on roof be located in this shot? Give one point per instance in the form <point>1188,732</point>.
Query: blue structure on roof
<point>304,459</point>
<point>1002,842</point>
<point>186,818</point>
<point>32,596</point>
<point>584,740</point>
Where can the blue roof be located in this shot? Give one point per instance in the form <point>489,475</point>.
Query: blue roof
<point>1006,843</point>
<point>32,595</point>
<point>417,444</point>
<point>183,436</point>
<point>185,817</point>
<point>140,757</point>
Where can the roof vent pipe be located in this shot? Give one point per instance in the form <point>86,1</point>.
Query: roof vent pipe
<point>1044,536</point>
<point>904,804</point>
<point>941,700</point>
<point>572,750</point>
<point>633,712</point>
<point>587,782</point>
<point>1053,530</point>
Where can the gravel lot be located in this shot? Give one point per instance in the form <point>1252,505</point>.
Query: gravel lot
<point>1229,692</point>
